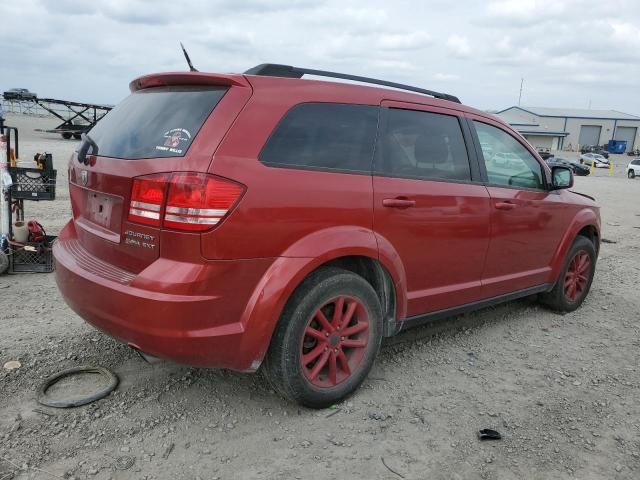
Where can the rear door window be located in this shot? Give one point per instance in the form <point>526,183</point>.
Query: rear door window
<point>155,122</point>
<point>325,136</point>
<point>417,144</point>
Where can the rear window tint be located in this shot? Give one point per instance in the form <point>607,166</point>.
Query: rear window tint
<point>155,122</point>
<point>324,136</point>
<point>417,144</point>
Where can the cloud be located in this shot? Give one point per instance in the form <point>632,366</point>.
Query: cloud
<point>404,41</point>
<point>568,51</point>
<point>446,76</point>
<point>459,46</point>
<point>532,11</point>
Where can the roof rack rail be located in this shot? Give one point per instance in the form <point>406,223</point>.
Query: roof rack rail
<point>288,71</point>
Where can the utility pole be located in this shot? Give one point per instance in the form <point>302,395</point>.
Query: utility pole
<point>520,96</point>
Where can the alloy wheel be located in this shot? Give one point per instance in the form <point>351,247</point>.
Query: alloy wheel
<point>334,342</point>
<point>577,276</point>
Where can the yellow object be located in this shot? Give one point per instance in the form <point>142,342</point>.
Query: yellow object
<point>12,158</point>
<point>610,168</point>
<point>593,167</point>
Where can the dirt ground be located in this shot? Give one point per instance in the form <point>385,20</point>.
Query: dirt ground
<point>564,390</point>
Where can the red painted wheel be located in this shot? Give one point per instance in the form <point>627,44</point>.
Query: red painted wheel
<point>577,276</point>
<point>575,279</point>
<point>327,339</point>
<point>334,342</point>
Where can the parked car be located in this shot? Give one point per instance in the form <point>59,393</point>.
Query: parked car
<point>505,159</point>
<point>19,94</point>
<point>597,149</point>
<point>599,160</point>
<point>545,154</point>
<point>575,167</point>
<point>633,169</point>
<point>262,220</point>
<point>634,153</point>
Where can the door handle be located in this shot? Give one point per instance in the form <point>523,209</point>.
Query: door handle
<point>398,202</point>
<point>505,205</point>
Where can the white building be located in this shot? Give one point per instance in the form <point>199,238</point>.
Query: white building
<point>566,128</point>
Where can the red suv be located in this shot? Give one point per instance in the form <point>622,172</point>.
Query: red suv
<point>263,220</point>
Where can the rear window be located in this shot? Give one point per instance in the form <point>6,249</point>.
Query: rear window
<point>155,122</point>
<point>324,136</point>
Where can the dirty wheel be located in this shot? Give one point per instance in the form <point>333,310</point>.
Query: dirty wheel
<point>575,279</point>
<point>326,340</point>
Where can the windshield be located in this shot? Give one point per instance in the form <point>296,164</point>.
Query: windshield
<point>155,122</point>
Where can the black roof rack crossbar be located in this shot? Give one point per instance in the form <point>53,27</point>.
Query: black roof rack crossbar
<point>288,71</point>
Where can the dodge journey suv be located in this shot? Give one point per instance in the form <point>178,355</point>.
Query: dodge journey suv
<point>265,221</point>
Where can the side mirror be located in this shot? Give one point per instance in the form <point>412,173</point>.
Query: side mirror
<point>561,177</point>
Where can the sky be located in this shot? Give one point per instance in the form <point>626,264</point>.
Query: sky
<point>571,53</point>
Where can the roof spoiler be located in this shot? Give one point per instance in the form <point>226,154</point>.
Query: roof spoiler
<point>288,71</point>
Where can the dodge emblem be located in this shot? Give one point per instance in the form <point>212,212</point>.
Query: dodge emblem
<point>84,177</point>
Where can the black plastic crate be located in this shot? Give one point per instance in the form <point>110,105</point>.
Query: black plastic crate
<point>40,261</point>
<point>33,183</point>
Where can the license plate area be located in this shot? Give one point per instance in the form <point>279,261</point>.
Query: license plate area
<point>99,209</point>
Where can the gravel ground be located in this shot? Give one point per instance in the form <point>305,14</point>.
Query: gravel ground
<point>562,389</point>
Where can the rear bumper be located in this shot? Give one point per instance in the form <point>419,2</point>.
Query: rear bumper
<point>195,314</point>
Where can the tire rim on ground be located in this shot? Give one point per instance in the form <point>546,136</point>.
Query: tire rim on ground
<point>577,276</point>
<point>334,342</point>
<point>111,378</point>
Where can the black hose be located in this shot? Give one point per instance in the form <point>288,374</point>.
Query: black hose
<point>76,402</point>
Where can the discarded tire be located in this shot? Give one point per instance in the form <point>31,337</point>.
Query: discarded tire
<point>111,378</point>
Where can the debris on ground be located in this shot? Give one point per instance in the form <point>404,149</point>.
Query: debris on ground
<point>489,434</point>
<point>12,365</point>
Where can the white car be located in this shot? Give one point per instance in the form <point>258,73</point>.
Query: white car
<point>633,169</point>
<point>599,160</point>
<point>506,159</point>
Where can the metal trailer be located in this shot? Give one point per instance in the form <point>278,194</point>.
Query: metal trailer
<point>76,117</point>
<point>86,113</point>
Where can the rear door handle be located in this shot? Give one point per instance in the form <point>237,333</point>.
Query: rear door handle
<point>398,202</point>
<point>505,205</point>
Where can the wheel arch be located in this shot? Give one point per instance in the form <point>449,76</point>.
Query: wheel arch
<point>586,223</point>
<point>354,250</point>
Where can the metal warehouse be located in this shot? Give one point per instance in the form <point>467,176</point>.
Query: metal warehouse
<point>567,128</point>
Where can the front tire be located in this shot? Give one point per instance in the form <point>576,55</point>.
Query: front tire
<point>575,278</point>
<point>326,340</point>
<point>631,174</point>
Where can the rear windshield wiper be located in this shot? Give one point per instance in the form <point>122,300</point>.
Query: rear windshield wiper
<point>87,142</point>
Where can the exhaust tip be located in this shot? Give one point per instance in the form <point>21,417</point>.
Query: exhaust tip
<point>150,359</point>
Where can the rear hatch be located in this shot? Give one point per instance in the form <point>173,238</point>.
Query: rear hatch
<point>166,131</point>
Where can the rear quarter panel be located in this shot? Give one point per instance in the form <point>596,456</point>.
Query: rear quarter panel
<point>281,206</point>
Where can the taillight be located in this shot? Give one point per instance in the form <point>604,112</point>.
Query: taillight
<point>147,198</point>
<point>197,202</point>
<point>192,202</point>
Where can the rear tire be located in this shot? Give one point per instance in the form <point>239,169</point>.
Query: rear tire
<point>317,357</point>
<point>575,278</point>
<point>66,135</point>
<point>631,174</point>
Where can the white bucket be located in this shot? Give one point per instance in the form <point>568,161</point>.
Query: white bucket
<point>20,232</point>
